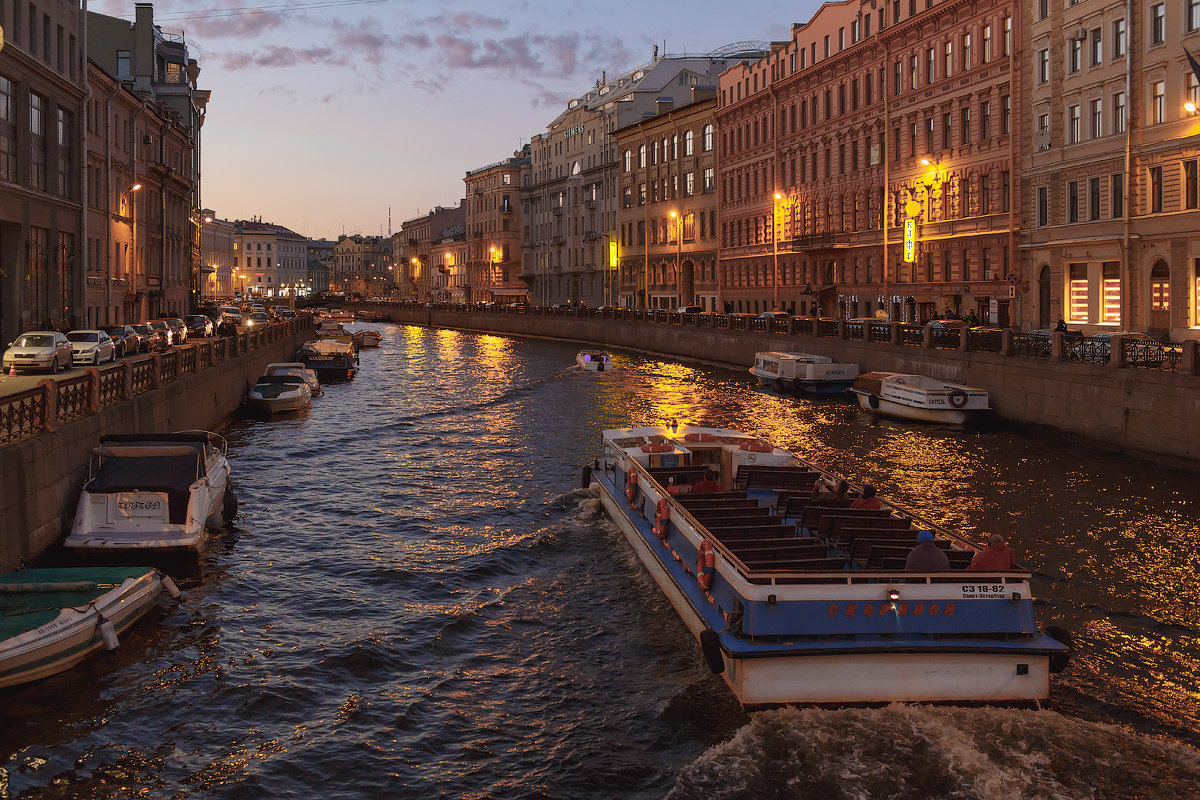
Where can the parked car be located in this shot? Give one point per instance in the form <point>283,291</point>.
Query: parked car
<point>689,309</point>
<point>783,315</point>
<point>199,325</point>
<point>178,329</point>
<point>285,314</point>
<point>947,324</point>
<point>126,340</point>
<point>153,339</point>
<point>257,319</point>
<point>1149,357</point>
<point>212,312</point>
<point>48,350</point>
<point>232,314</point>
<point>160,326</point>
<point>91,346</point>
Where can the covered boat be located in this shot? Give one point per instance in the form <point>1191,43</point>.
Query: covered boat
<point>51,619</point>
<point>296,369</point>
<point>594,360</point>
<point>795,602</point>
<point>803,372</point>
<point>279,393</point>
<point>919,397</point>
<point>367,338</point>
<point>330,358</point>
<point>154,491</point>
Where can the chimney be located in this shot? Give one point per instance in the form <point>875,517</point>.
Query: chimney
<point>664,104</point>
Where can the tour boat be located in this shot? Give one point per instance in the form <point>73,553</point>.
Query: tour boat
<point>331,358</point>
<point>803,372</point>
<point>800,603</point>
<point>51,619</point>
<point>326,328</point>
<point>919,397</point>
<point>367,338</point>
<point>594,360</point>
<point>296,369</point>
<point>279,393</point>
<point>154,491</point>
<point>338,315</point>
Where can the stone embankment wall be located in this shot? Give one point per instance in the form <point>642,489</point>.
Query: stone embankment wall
<point>43,475</point>
<point>1140,411</point>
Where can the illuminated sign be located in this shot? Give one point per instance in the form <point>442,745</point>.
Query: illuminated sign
<point>612,255</point>
<point>910,240</point>
<point>578,129</point>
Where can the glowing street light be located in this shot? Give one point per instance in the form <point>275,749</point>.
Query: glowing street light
<point>775,246</point>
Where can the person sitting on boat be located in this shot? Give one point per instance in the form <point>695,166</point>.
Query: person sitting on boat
<point>927,556</point>
<point>707,486</point>
<point>679,485</point>
<point>868,500</point>
<point>996,556</point>
<point>827,493</point>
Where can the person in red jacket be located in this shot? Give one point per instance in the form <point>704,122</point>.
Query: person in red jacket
<point>868,500</point>
<point>996,556</point>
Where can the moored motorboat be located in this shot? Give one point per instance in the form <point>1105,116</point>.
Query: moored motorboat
<point>298,370</point>
<point>594,360</point>
<point>331,358</point>
<point>154,491</point>
<point>339,315</point>
<point>367,338</point>
<point>795,602</point>
<point>279,393</point>
<point>51,619</point>
<point>919,397</point>
<point>803,372</point>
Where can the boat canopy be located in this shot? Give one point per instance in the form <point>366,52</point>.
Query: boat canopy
<point>121,471</point>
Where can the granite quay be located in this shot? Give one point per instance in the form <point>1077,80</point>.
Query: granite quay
<point>1122,393</point>
<point>47,432</point>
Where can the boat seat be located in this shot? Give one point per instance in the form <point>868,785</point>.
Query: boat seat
<point>755,555</point>
<point>716,523</point>
<point>836,528</point>
<point>806,565</point>
<point>754,532</point>
<point>714,497</point>
<point>811,516</point>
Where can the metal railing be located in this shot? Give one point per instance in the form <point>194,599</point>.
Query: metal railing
<point>946,338</point>
<point>985,341</point>
<point>1161,356</point>
<point>1026,345</point>
<point>912,335</point>
<point>22,415</point>
<point>74,397</point>
<point>112,385</point>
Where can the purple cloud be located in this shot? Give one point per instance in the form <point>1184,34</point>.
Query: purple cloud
<point>273,56</point>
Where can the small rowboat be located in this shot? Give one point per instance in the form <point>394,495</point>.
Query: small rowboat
<point>51,619</point>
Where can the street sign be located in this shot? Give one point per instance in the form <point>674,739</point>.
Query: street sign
<point>910,240</point>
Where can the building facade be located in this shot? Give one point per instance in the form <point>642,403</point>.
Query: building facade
<point>423,268</point>
<point>1112,207</point>
<point>667,231</point>
<point>869,123</point>
<point>269,260</point>
<point>217,237</point>
<point>43,259</point>
<point>493,231</point>
<point>363,265</point>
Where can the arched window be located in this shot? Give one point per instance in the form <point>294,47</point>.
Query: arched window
<point>628,161</point>
<point>642,156</point>
<point>1160,287</point>
<point>688,143</point>
<point>706,143</point>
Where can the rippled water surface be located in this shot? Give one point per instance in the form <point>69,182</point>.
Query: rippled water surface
<point>419,601</point>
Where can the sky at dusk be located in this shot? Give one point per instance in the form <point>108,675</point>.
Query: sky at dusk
<point>324,114</point>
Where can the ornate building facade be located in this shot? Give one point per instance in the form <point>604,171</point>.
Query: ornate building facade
<point>493,231</point>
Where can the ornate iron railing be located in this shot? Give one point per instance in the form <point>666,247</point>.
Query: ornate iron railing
<point>987,341</point>
<point>187,360</point>
<point>143,376</point>
<point>1161,356</point>
<point>169,370</point>
<point>1081,348</point>
<point>856,331</point>
<point>74,397</point>
<point>880,333</point>
<point>22,415</point>
<point>827,329</point>
<point>112,386</point>
<point>946,338</point>
<point>1028,345</point>
<point>802,327</point>
<point>912,336</point>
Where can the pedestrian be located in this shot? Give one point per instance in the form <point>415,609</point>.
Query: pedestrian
<point>927,556</point>
<point>1060,326</point>
<point>996,556</point>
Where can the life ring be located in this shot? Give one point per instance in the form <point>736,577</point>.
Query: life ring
<point>958,398</point>
<point>699,437</point>
<point>657,447</point>
<point>631,485</point>
<point>662,517</point>
<point>706,565</point>
<point>710,645</point>
<point>756,447</point>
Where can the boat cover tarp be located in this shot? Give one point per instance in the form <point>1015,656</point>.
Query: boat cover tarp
<point>271,386</point>
<point>24,611</point>
<point>174,473</point>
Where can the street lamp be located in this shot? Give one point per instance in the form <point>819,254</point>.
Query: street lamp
<point>678,251</point>
<point>775,246</point>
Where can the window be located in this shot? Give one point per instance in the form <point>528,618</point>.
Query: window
<point>642,156</point>
<point>1043,206</point>
<point>124,65</point>
<point>688,143</point>
<point>985,194</point>
<point>1073,132</point>
<point>1190,195</point>
<point>1005,191</point>
<point>710,180</point>
<point>1158,102</point>
<point>1193,15</point>
<point>689,184</point>
<point>1097,48</point>
<point>1160,288</point>
<point>1119,39</point>
<point>1077,292</point>
<point>1110,272</point>
<point>1096,114</point>
<point>1043,65</point>
<point>965,124</point>
<point>1119,112</point>
<point>985,119</point>
<point>987,44</point>
<point>706,143</point>
<point>1093,199</point>
<point>1006,45</point>
<point>930,64</point>
<point>8,131</point>
<point>1191,93</point>
<point>1043,9</point>
<point>912,68</point>
<point>1075,60</point>
<point>1072,201</point>
<point>966,50</point>
<point>1158,23</point>
<point>1116,195</point>
<point>1005,115</point>
<point>628,161</point>
<point>37,141</point>
<point>948,60</point>
<point>946,130</point>
<point>1156,189</point>
<point>65,184</point>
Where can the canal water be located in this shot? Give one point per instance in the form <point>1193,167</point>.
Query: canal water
<point>418,601</point>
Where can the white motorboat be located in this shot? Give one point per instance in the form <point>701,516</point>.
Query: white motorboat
<point>154,491</point>
<point>795,602</point>
<point>594,360</point>
<point>919,397</point>
<point>803,372</point>
<point>276,394</point>
<point>298,370</point>
<point>332,357</point>
<point>51,619</point>
<point>367,338</point>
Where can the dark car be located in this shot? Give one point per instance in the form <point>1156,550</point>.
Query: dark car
<point>198,325</point>
<point>126,340</point>
<point>157,334</point>
<point>178,329</point>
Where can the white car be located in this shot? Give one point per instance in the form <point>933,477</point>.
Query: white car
<point>257,319</point>
<point>91,347</point>
<point>48,350</point>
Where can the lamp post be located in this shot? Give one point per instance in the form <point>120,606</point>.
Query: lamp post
<point>775,247</point>
<point>678,253</point>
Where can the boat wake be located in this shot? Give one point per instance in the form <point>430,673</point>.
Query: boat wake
<point>935,752</point>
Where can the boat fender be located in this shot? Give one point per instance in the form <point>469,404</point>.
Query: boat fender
<point>631,485</point>
<point>229,504</point>
<point>873,401</point>
<point>1059,661</point>
<point>169,586</point>
<point>958,398</point>
<point>710,644</point>
<point>662,517</point>
<point>107,632</point>
<point>706,565</point>
<point>586,480</point>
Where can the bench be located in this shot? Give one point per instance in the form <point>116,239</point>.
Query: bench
<point>719,522</point>
<point>720,512</point>
<point>831,525</point>
<point>713,497</point>
<point>959,559</point>
<point>743,532</point>
<point>803,565</point>
<point>776,477</point>
<point>748,555</point>
<point>811,517</point>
